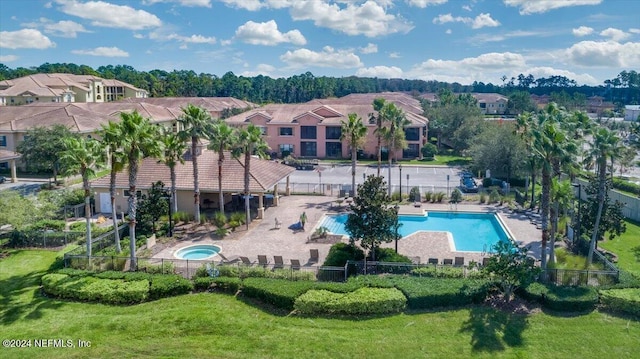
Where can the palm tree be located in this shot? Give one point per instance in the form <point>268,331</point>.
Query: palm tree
<point>604,146</point>
<point>111,135</point>
<point>250,142</point>
<point>221,138</point>
<point>174,148</point>
<point>394,134</point>
<point>139,140</point>
<point>378,104</point>
<point>195,125</point>
<point>561,195</point>
<point>354,132</point>
<point>82,156</point>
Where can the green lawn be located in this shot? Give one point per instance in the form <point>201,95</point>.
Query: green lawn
<point>626,247</point>
<point>221,326</point>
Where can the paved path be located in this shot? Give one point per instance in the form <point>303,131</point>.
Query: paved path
<point>263,238</point>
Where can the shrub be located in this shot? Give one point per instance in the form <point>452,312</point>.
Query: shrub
<point>626,186</point>
<point>340,253</point>
<point>385,281</point>
<point>429,150</point>
<point>439,197</point>
<point>363,301</point>
<point>95,289</point>
<point>494,196</point>
<point>414,194</point>
<point>390,255</point>
<point>48,224</point>
<point>163,268</point>
<point>424,293</point>
<point>427,196</point>
<point>279,293</point>
<point>163,286</point>
<point>223,284</point>
<point>219,219</point>
<point>483,197</point>
<point>621,300</point>
<point>562,298</point>
<point>72,272</point>
<point>82,226</point>
<point>438,272</point>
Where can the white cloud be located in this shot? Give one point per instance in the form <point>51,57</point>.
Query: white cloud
<point>193,39</point>
<point>109,15</point>
<point>482,38</point>
<point>369,19</point>
<point>65,28</point>
<point>582,31</point>
<point>369,49</point>
<point>386,72</point>
<point>267,33</point>
<point>328,57</point>
<point>634,31</point>
<point>466,7</point>
<point>424,3</point>
<point>138,36</point>
<point>25,39</point>
<point>102,51</point>
<point>614,34</point>
<point>8,58</point>
<point>480,21</point>
<point>448,32</point>
<point>261,69</point>
<point>187,3</point>
<point>251,5</point>
<point>394,55</point>
<point>609,54</point>
<point>528,7</point>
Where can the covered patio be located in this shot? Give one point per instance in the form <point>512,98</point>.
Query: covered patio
<point>11,157</point>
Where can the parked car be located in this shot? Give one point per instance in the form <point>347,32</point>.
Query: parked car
<point>468,185</point>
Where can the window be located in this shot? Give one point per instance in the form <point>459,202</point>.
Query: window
<point>334,149</point>
<point>333,132</point>
<point>3,141</point>
<point>126,193</point>
<point>308,149</point>
<point>263,130</point>
<point>412,133</point>
<point>482,105</point>
<point>308,132</point>
<point>286,131</point>
<point>412,151</point>
<point>98,89</point>
<point>286,150</point>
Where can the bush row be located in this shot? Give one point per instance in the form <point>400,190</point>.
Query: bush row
<point>224,284</point>
<point>256,272</point>
<point>362,301</point>
<point>92,289</point>
<point>562,298</point>
<point>425,292</point>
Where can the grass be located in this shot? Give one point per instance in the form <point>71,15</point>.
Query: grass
<point>222,326</point>
<point>568,260</point>
<point>626,247</point>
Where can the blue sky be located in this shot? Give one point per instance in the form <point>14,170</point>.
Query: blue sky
<point>446,40</point>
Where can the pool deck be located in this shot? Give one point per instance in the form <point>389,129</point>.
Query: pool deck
<point>291,243</point>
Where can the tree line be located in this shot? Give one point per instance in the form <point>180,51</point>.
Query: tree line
<point>623,89</point>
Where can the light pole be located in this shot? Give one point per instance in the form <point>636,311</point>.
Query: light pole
<point>407,180</point>
<point>577,231</point>
<point>400,181</point>
<point>320,181</point>
<point>447,186</point>
<point>396,226</point>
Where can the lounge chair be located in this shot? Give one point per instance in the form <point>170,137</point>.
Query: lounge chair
<point>433,261</point>
<point>295,264</point>
<point>447,261</point>
<point>278,263</point>
<point>262,260</point>
<point>314,256</point>
<point>459,261</point>
<point>246,261</point>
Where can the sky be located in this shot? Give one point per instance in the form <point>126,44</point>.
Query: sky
<point>445,40</point>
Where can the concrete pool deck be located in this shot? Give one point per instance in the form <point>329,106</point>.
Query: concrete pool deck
<point>263,238</point>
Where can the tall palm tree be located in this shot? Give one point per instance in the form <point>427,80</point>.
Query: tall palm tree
<point>378,104</point>
<point>139,140</point>
<point>173,153</point>
<point>604,146</point>
<point>250,142</point>
<point>354,132</point>
<point>221,138</point>
<point>83,156</point>
<point>195,126</point>
<point>394,134</point>
<point>111,135</point>
<point>561,196</point>
<point>525,123</point>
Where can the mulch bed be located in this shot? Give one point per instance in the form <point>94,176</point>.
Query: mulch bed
<point>515,306</point>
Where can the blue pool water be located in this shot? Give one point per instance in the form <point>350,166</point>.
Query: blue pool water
<point>200,251</point>
<point>472,232</point>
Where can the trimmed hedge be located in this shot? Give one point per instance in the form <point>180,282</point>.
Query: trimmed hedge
<point>423,293</point>
<point>256,272</point>
<point>277,292</point>
<point>438,272</point>
<point>95,289</point>
<point>168,285</point>
<point>562,298</point>
<point>224,284</point>
<point>363,301</point>
<point>621,300</point>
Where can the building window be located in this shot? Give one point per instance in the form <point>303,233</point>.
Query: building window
<point>3,141</point>
<point>263,130</point>
<point>412,151</point>
<point>333,132</point>
<point>334,149</point>
<point>98,89</point>
<point>286,131</point>
<point>412,133</point>
<point>308,132</point>
<point>482,105</point>
<point>308,149</point>
<point>286,150</point>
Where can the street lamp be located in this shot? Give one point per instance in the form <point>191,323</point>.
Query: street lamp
<point>577,231</point>
<point>400,168</point>
<point>320,181</point>
<point>447,186</point>
<point>407,181</point>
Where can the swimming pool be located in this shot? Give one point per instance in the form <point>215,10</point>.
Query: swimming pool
<point>472,232</point>
<point>199,251</point>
